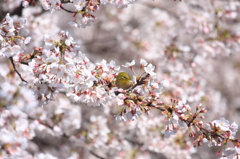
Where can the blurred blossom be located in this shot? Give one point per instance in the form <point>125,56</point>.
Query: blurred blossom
<point>222,123</point>
<point>190,50</point>
<point>182,106</point>
<point>149,69</point>
<point>129,64</point>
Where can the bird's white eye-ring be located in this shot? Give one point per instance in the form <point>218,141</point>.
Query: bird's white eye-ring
<point>123,77</point>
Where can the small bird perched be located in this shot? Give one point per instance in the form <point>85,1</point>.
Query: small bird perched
<point>123,80</point>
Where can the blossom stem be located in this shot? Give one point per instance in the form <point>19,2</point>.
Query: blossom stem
<point>12,62</point>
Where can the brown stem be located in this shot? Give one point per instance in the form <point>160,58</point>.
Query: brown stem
<point>66,9</point>
<point>96,155</point>
<point>12,62</point>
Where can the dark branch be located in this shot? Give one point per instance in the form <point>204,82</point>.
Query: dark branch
<point>66,9</point>
<point>12,62</point>
<point>96,155</point>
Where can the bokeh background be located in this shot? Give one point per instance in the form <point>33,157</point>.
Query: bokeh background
<point>195,46</point>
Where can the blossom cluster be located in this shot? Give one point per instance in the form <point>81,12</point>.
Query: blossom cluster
<point>60,66</point>
<point>83,9</point>
<point>48,85</point>
<point>13,37</point>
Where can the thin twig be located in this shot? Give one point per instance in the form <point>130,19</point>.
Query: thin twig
<point>157,107</point>
<point>96,155</point>
<point>66,9</point>
<point>13,64</point>
<point>68,1</point>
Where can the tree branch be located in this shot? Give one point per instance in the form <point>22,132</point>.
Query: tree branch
<point>14,67</point>
<point>96,155</point>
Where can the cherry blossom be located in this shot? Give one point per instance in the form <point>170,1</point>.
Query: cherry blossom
<point>58,65</point>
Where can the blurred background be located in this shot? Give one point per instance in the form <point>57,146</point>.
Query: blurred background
<point>195,46</point>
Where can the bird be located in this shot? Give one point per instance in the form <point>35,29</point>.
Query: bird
<point>123,80</point>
